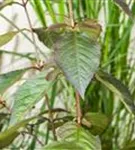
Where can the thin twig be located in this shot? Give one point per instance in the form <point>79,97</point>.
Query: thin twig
<point>17,54</point>
<point>78,108</point>
<point>51,117</point>
<point>35,136</point>
<point>4,4</point>
<point>57,14</point>
<point>30,25</point>
<point>21,31</point>
<point>71,14</point>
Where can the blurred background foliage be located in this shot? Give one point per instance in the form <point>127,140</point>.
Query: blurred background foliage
<point>117,42</point>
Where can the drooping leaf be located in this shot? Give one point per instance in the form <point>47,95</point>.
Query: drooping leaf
<point>63,146</point>
<point>28,94</point>
<point>78,57</point>
<point>46,36</point>
<point>8,79</point>
<point>7,136</point>
<point>7,37</point>
<point>90,27</point>
<point>49,35</point>
<point>70,133</point>
<point>117,87</point>
<point>124,6</point>
<point>97,121</point>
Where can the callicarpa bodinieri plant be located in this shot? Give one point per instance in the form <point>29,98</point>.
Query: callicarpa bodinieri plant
<point>80,94</point>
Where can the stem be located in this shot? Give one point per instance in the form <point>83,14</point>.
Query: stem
<point>51,117</point>
<point>21,31</point>
<point>71,14</point>
<point>35,136</point>
<point>78,108</point>
<point>30,25</point>
<point>17,54</point>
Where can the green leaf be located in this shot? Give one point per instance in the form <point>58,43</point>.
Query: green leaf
<point>117,87</point>
<point>63,146</point>
<point>28,94</point>
<point>55,1</point>
<point>8,79</point>
<point>90,27</point>
<point>7,137</point>
<point>39,9</point>
<point>97,122</point>
<point>46,36</point>
<point>49,35</point>
<point>7,37</point>
<point>78,57</point>
<point>75,137</point>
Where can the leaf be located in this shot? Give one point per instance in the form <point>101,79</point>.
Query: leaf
<point>8,79</point>
<point>78,57</point>
<point>97,121</point>
<point>46,36</point>
<point>75,137</point>
<point>63,146</point>
<point>90,27</point>
<point>124,6</point>
<point>7,37</point>
<point>28,94</point>
<point>39,9</point>
<point>7,137</point>
<point>49,35</point>
<point>56,1</point>
<point>117,87</point>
